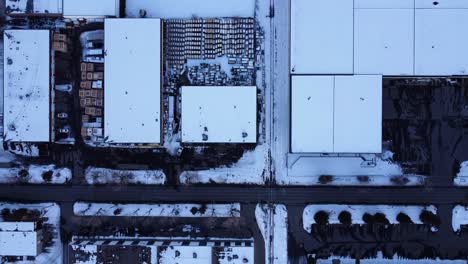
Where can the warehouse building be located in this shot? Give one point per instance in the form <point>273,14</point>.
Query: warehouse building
<point>65,8</point>
<point>154,251</point>
<point>132,77</point>
<point>91,8</point>
<point>336,114</point>
<point>20,239</point>
<point>219,114</point>
<point>388,37</point>
<point>34,8</point>
<point>27,82</point>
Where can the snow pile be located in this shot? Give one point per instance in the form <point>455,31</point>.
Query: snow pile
<point>157,210</point>
<point>95,175</point>
<point>381,260</point>
<point>235,255</point>
<point>250,169</point>
<point>88,251</point>
<point>35,174</point>
<point>357,212</point>
<point>50,212</point>
<point>185,255</point>
<point>204,8</point>
<point>459,217</point>
<point>462,177</point>
<point>272,221</point>
<point>24,149</point>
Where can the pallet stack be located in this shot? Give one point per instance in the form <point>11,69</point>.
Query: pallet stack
<point>91,95</point>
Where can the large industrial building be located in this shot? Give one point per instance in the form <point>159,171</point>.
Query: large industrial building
<point>388,37</point>
<point>160,251</point>
<point>336,114</point>
<point>341,49</point>
<point>219,114</point>
<point>65,8</point>
<point>27,82</point>
<point>132,77</point>
<point>20,239</point>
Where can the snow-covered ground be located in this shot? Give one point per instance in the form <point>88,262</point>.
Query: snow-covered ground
<point>381,171</point>
<point>357,212</point>
<point>51,213</point>
<point>459,217</point>
<point>272,221</point>
<point>35,174</point>
<point>189,8</point>
<point>462,177</point>
<point>95,175</point>
<point>157,210</point>
<point>250,169</point>
<point>381,260</point>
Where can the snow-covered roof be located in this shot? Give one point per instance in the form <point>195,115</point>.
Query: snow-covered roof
<point>440,48</point>
<point>440,4</point>
<point>388,37</point>
<point>384,41</point>
<point>219,114</point>
<point>33,7</point>
<point>132,92</point>
<point>208,9</point>
<point>18,239</point>
<point>91,8</point>
<point>336,114</point>
<point>17,226</point>
<point>27,85</point>
<point>322,37</point>
<point>186,255</point>
<point>312,114</point>
<point>384,4</point>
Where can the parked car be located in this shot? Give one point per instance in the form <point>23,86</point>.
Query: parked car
<point>64,87</point>
<point>64,130</point>
<point>62,115</point>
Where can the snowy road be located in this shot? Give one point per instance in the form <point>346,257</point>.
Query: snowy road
<point>287,196</point>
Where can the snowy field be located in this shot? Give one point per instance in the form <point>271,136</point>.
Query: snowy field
<point>459,217</point>
<point>157,210</point>
<point>190,8</point>
<point>357,212</point>
<point>95,175</point>
<point>51,213</point>
<point>462,177</point>
<point>272,221</point>
<point>250,169</point>
<point>35,174</point>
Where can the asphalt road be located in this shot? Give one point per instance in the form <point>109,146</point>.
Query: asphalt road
<point>288,196</point>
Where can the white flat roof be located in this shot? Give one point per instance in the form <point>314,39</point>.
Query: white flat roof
<point>37,7</point>
<point>219,114</point>
<point>17,226</point>
<point>132,92</point>
<point>384,41</point>
<point>358,114</point>
<point>441,48</point>
<point>322,37</point>
<point>26,85</point>
<point>336,114</point>
<point>13,243</point>
<point>384,4</point>
<point>312,114</point>
<point>186,255</point>
<point>168,9</point>
<point>441,4</point>
<point>91,8</point>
